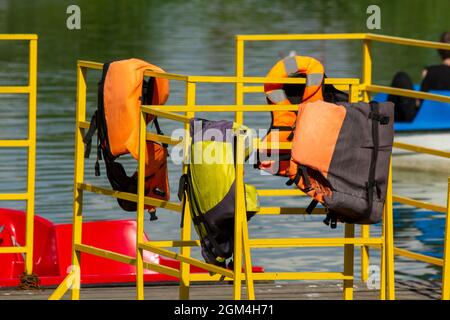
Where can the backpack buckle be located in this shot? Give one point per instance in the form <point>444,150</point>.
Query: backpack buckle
<point>379,117</point>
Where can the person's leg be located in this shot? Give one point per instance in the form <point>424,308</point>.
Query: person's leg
<point>405,108</point>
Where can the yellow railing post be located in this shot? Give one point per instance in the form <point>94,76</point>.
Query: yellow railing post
<point>388,225</point>
<point>32,83</point>
<point>140,207</point>
<point>240,215</point>
<point>349,253</point>
<point>366,80</point>
<point>239,117</point>
<point>446,267</point>
<point>367,68</point>
<point>247,261</point>
<point>77,222</point>
<point>383,257</point>
<point>185,268</point>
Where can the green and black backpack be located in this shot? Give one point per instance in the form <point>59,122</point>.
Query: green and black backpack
<point>210,186</point>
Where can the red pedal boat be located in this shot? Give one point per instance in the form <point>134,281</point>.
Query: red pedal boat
<point>53,252</point>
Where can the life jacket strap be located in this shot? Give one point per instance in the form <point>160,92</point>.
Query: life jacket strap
<point>282,128</point>
<point>159,131</point>
<point>87,139</point>
<point>302,172</point>
<point>312,205</point>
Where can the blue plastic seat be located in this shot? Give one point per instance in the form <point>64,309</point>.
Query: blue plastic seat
<point>432,115</point>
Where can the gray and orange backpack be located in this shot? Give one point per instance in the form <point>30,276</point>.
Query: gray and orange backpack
<point>121,92</point>
<point>340,157</point>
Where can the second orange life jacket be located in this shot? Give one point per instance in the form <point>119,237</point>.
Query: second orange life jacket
<point>283,122</point>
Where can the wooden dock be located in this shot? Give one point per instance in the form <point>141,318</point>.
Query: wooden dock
<point>405,290</point>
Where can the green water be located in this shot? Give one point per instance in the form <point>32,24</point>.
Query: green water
<point>197,37</point>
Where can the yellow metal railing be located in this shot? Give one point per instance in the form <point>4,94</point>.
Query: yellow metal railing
<point>29,142</point>
<point>243,244</point>
<point>366,87</point>
<point>348,241</point>
<point>182,114</point>
<point>445,262</point>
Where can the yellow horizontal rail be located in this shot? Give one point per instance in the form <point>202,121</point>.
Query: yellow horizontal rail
<point>13,196</point>
<point>150,136</point>
<point>231,79</point>
<point>286,242</point>
<point>162,269</point>
<point>301,276</point>
<point>84,124</point>
<point>407,93</point>
<point>99,66</point>
<point>14,143</point>
<point>279,192</point>
<point>166,112</point>
<point>213,108</point>
<point>125,259</point>
<point>269,145</point>
<point>90,65</point>
<point>288,210</point>
<point>408,42</point>
<point>419,204</point>
<point>167,253</point>
<point>175,243</point>
<point>253,89</point>
<point>293,37</point>
<point>18,36</point>
<point>163,139</point>
<point>13,249</point>
<point>15,89</point>
<point>419,257</point>
<point>260,89</point>
<point>274,276</point>
<point>168,76</point>
<point>130,197</point>
<point>312,242</point>
<point>105,254</point>
<point>419,149</point>
<point>345,36</point>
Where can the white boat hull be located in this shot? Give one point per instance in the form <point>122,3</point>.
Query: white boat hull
<point>405,159</point>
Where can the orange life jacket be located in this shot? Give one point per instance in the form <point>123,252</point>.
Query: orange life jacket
<point>281,94</point>
<point>121,92</point>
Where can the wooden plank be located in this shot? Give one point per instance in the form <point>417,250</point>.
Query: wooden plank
<point>306,290</point>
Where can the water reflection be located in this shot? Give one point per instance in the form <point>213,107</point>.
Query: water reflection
<point>197,37</point>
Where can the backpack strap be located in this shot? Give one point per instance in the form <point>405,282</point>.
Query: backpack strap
<point>182,195</point>
<point>184,191</point>
<point>371,183</point>
<point>331,220</point>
